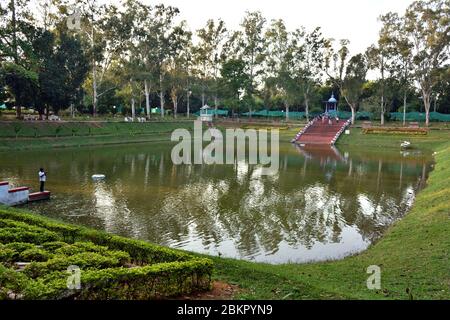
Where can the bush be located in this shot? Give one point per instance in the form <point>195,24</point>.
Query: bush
<point>111,267</point>
<point>393,130</point>
<point>35,254</point>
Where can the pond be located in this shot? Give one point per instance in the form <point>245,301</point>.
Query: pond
<point>321,204</point>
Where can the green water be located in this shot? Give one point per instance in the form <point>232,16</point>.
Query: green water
<point>322,204</point>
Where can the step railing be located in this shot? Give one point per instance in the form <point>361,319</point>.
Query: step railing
<point>338,134</point>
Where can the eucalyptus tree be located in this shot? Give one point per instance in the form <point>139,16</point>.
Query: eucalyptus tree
<point>427,28</point>
<point>178,65</point>
<point>209,55</point>
<point>308,61</point>
<point>378,59</point>
<point>347,73</point>
<point>280,62</point>
<point>161,43</point>
<point>394,38</point>
<point>249,45</point>
<point>105,31</point>
<point>146,47</point>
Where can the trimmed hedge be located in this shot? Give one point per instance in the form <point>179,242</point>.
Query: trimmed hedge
<point>393,130</point>
<point>112,267</point>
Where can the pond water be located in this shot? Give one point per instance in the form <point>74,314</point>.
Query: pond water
<point>322,203</point>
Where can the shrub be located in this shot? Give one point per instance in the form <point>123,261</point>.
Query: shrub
<point>7,255</point>
<point>393,130</point>
<point>19,246</point>
<point>52,246</point>
<point>104,260</point>
<point>35,254</point>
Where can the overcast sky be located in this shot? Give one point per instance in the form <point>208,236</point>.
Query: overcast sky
<point>356,20</point>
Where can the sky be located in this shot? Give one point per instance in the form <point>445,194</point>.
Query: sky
<point>356,20</point>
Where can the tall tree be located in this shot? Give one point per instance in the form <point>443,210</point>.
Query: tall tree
<point>280,60</point>
<point>377,57</point>
<point>234,81</point>
<point>427,28</point>
<point>394,38</point>
<point>178,65</point>
<point>210,55</point>
<point>309,62</point>
<point>348,74</point>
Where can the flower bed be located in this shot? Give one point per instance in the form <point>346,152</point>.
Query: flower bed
<point>36,252</point>
<point>393,130</point>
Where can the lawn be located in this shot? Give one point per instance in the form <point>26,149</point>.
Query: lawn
<point>413,255</point>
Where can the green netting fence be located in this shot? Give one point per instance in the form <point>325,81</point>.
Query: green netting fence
<point>219,112</point>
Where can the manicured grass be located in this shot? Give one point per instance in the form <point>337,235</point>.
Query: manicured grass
<point>24,129</point>
<point>73,134</point>
<point>414,255</point>
<point>433,140</point>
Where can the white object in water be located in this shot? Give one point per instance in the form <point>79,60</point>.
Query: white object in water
<point>98,176</point>
<point>405,144</point>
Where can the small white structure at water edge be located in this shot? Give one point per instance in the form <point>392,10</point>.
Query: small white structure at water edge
<point>205,115</point>
<point>15,196</point>
<point>98,176</point>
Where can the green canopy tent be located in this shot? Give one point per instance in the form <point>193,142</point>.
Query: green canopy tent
<point>3,107</point>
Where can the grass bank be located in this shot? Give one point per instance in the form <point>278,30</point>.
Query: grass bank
<point>41,135</point>
<point>414,254</point>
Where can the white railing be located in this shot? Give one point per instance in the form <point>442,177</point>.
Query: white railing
<point>338,134</point>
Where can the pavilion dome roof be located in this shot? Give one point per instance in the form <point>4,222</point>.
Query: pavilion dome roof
<point>332,99</point>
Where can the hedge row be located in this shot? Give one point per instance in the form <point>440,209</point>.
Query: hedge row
<point>112,267</point>
<point>393,130</point>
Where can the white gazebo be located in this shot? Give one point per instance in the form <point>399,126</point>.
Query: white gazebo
<point>204,114</point>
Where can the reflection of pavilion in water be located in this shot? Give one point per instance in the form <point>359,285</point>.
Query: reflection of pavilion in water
<point>337,209</point>
<point>321,204</point>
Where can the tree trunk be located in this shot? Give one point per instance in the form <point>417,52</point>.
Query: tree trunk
<point>353,113</point>
<point>382,111</point>
<point>133,108</point>
<point>175,108</point>
<point>175,103</point>
<point>147,99</point>
<point>161,94</point>
<point>188,105</point>
<point>427,104</point>
<point>14,27</point>
<point>94,73</point>
<point>216,102</point>
<point>306,107</point>
<point>404,108</point>
<point>287,112</point>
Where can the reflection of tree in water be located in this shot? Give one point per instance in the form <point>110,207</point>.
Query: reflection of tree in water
<point>259,214</point>
<point>308,202</point>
